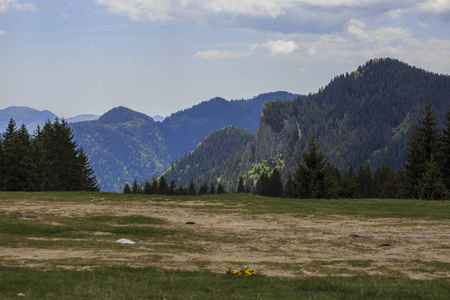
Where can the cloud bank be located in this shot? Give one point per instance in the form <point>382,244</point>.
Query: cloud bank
<point>286,16</point>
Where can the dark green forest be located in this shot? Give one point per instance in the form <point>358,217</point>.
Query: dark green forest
<point>215,157</point>
<point>364,117</point>
<point>49,160</point>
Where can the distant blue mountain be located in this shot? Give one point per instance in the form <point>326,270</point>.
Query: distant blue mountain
<point>25,115</point>
<point>158,118</point>
<point>82,118</point>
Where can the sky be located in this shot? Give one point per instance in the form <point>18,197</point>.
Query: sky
<point>161,56</point>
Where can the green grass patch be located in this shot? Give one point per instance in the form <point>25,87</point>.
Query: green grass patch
<point>152,283</point>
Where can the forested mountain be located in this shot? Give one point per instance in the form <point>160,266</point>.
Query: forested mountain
<point>360,118</point>
<point>188,127</point>
<point>25,115</point>
<point>219,154</point>
<point>124,145</point>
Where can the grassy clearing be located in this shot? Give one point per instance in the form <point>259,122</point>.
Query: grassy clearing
<point>91,223</point>
<point>151,283</point>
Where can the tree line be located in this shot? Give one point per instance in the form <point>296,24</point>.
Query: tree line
<point>425,173</point>
<point>47,160</point>
<point>162,188</point>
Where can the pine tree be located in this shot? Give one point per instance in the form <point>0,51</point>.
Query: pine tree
<point>172,188</point>
<point>423,144</point>
<point>147,187</point>
<point>220,189</point>
<point>380,177</point>
<point>212,189</point>
<point>262,185</point>
<point>127,189</point>
<point>275,184</point>
<point>432,187</point>
<point>163,187</point>
<point>348,186</point>
<point>192,191</point>
<point>446,151</point>
<point>364,182</point>
<point>310,174</point>
<point>38,157</point>
<point>240,185</point>
<point>155,187</point>
<point>289,188</point>
<point>87,179</point>
<point>203,190</point>
<point>390,188</point>
<point>135,188</point>
<point>10,180</point>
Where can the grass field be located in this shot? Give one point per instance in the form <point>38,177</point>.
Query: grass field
<point>63,246</point>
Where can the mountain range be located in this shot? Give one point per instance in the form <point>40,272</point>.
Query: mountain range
<point>362,117</point>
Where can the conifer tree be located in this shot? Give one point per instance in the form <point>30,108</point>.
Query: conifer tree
<point>240,185</point>
<point>192,191</point>
<point>127,189</point>
<point>310,173</point>
<point>275,185</point>
<point>446,151</point>
<point>380,177</point>
<point>262,185</point>
<point>423,144</point>
<point>364,182</point>
<point>348,187</point>
<point>220,189</point>
<point>390,189</point>
<point>203,190</point>
<point>172,188</point>
<point>87,179</point>
<point>432,187</point>
<point>289,188</point>
<point>38,157</point>
<point>155,187</point>
<point>163,187</point>
<point>212,189</point>
<point>147,187</point>
<point>135,188</point>
<point>10,180</point>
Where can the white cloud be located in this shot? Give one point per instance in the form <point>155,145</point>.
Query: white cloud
<point>2,32</point>
<point>435,7</point>
<point>281,47</point>
<point>8,5</point>
<point>211,54</point>
<point>287,16</point>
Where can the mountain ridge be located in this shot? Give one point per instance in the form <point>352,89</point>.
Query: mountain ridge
<point>362,117</point>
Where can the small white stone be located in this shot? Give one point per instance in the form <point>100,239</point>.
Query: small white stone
<point>124,241</point>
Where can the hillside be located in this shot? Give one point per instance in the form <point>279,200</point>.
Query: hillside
<point>362,117</point>
<point>217,155</point>
<point>124,145</point>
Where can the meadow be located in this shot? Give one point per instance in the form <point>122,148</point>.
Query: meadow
<point>63,246</point>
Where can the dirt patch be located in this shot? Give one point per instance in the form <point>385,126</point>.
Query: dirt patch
<point>274,244</point>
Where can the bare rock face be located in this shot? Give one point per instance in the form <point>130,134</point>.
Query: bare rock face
<point>268,143</point>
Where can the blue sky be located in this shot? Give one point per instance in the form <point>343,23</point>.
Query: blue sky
<point>160,56</point>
